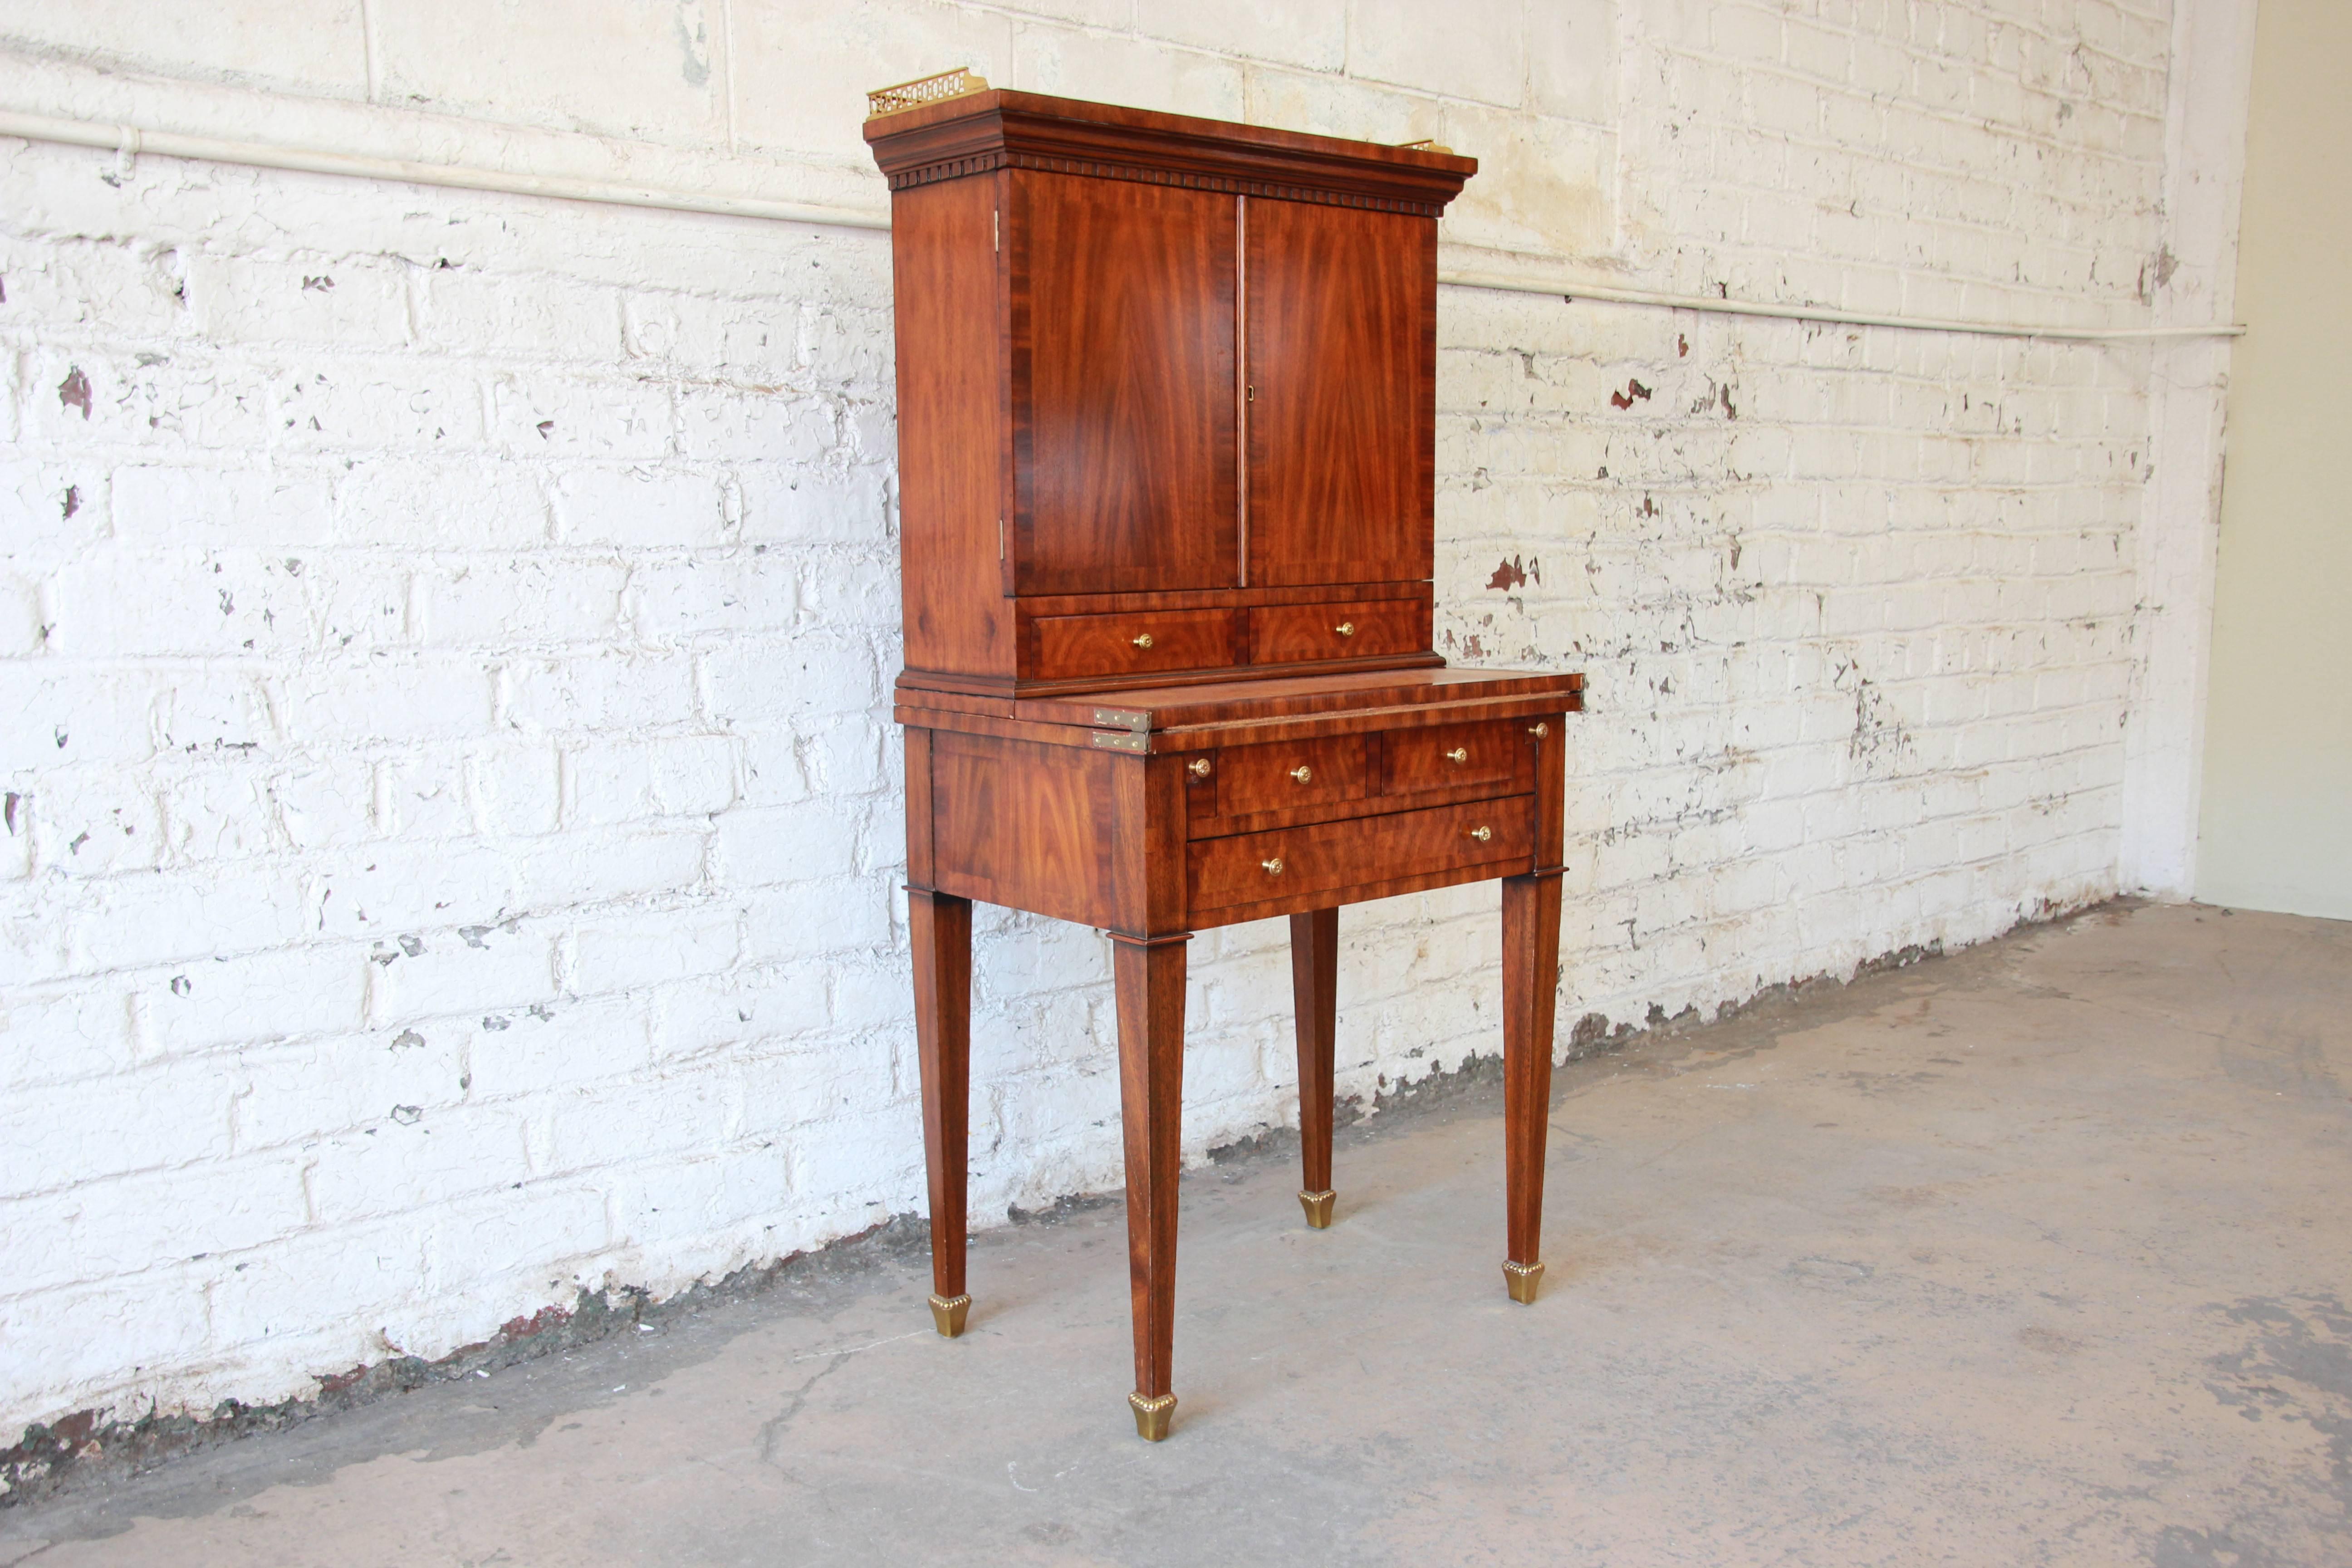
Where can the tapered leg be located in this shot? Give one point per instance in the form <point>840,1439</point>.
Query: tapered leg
<point>1530,996</point>
<point>1150,983</point>
<point>1314,987</point>
<point>941,926</point>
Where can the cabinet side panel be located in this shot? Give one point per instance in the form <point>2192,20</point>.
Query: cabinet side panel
<point>1026,825</point>
<point>951,427</point>
<point>1341,370</point>
<point>1122,301</point>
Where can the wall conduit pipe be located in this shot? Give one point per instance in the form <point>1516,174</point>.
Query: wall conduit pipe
<point>128,141</point>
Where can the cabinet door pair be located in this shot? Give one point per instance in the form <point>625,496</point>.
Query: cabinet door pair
<point>1214,390</point>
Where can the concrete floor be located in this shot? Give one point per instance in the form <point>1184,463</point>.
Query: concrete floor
<point>2037,1254</point>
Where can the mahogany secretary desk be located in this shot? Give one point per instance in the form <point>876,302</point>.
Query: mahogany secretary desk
<point>1167,454</point>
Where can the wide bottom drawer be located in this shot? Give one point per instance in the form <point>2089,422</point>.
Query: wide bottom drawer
<point>1361,851</point>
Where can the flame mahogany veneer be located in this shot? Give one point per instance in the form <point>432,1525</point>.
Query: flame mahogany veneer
<point>1166,456</point>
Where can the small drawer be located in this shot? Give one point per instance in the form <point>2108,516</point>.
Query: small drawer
<point>1294,634</point>
<point>1070,647</point>
<point>1361,851</point>
<point>1299,773</point>
<point>1499,755</point>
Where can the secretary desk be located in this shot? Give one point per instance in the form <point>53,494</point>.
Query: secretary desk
<point>1167,454</point>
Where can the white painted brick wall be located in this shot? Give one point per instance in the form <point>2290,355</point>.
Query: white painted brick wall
<point>453,824</point>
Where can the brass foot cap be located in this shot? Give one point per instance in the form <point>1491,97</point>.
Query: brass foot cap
<point>948,1313</point>
<point>1523,1281</point>
<point>1318,1207</point>
<point>1152,1415</point>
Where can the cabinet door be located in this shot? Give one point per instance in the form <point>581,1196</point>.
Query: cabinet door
<point>1123,330</point>
<point>1342,328</point>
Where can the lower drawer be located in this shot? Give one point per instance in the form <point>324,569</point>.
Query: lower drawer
<point>1361,851</point>
<point>1069,647</point>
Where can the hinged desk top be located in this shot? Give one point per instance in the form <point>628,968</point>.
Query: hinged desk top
<point>1152,720</point>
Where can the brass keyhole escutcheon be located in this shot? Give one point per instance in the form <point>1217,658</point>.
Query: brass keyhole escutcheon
<point>1273,866</point>
<point>1346,629</point>
<point>1198,767</point>
<point>1458,755</point>
<point>1482,833</point>
<point>1302,772</point>
<point>1539,731</point>
<point>1143,641</point>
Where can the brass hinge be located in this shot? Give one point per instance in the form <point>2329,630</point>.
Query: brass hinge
<point>1108,742</point>
<point>957,83</point>
<point>1123,718</point>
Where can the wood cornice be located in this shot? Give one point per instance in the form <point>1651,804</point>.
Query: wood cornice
<point>1000,129</point>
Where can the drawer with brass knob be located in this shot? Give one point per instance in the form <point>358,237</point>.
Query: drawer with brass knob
<point>1068,647</point>
<point>1498,754</point>
<point>1284,775</point>
<point>1234,878</point>
<point>1295,634</point>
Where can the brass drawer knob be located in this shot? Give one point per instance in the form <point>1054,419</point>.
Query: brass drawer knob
<point>1458,755</point>
<point>1143,641</point>
<point>1346,629</point>
<point>1198,767</point>
<point>1273,866</point>
<point>1539,731</point>
<point>1302,772</point>
<point>1482,833</point>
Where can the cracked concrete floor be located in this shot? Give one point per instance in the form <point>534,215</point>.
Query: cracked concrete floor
<point>2036,1254</point>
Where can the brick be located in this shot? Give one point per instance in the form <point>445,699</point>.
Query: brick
<point>787,504</point>
<point>467,973</point>
<point>539,315</point>
<point>244,506</point>
<point>1130,69</point>
<point>482,602</point>
<point>401,1165</point>
<point>638,506</point>
<point>699,597</point>
<point>390,699</point>
<point>647,948</point>
<point>343,302</point>
<point>417,503</point>
<point>125,1225</point>
<point>520,1057</point>
<point>597,691</point>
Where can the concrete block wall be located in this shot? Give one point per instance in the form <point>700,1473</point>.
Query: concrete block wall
<point>453,829</point>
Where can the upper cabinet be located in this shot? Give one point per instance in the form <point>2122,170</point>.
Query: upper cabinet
<point>1123,349</point>
<point>1340,393</point>
<point>1166,394</point>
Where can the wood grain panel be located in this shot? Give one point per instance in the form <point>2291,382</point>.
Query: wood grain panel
<point>1330,856</point>
<point>1027,825</point>
<point>1499,753</point>
<point>1342,313</point>
<point>1122,336</point>
<point>1069,647</point>
<point>953,436</point>
<point>1289,633</point>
